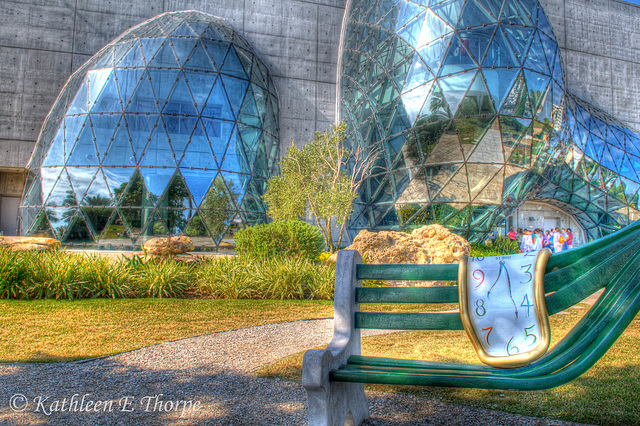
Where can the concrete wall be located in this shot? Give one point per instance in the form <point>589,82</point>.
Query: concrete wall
<point>600,42</point>
<point>532,215</point>
<point>43,41</point>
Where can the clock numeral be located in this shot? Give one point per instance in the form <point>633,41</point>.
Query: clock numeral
<point>527,334</point>
<point>479,277</point>
<point>530,254</point>
<point>478,259</point>
<point>488,329</point>
<point>511,349</point>
<point>526,304</point>
<point>480,309</point>
<point>527,271</point>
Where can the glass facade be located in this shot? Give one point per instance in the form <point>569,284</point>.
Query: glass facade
<point>170,129</point>
<point>466,101</point>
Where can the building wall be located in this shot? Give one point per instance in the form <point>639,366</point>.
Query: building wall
<point>532,215</point>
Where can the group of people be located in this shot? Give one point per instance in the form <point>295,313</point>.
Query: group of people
<point>555,239</point>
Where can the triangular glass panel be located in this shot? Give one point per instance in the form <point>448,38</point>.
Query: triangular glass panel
<point>133,57</point>
<point>538,85</point>
<point>517,102</point>
<point>115,233</point>
<point>56,154</point>
<point>457,59</point>
<point>198,153</point>
<point>432,29</point>
<point>140,127</point>
<point>73,126</point>
<point>245,59</point>
<point>217,50</point>
<point>489,149</point>
<point>471,130</point>
<point>80,104</point>
<point>117,180</point>
<point>477,40</point>
<point>515,13</point>
<point>77,231</point>
<point>200,84</point>
<point>199,59</point>
<point>449,11</point>
<point>492,192</point>
<point>143,100</point>
<point>109,98</point>
<point>104,126</point>
<point>59,217</point>
<point>156,182</point>
<point>217,106</point>
<point>154,227</point>
<point>520,38</point>
<point>40,227</point>
<point>162,82</point>
<point>158,152</point>
<point>197,229</point>
<point>212,33</point>
<point>97,81</point>
<point>433,54</point>
<point>456,190</point>
<point>232,65</point>
<point>437,176</point>
<point>97,217</point>
<point>474,14</point>
<point>180,101</point>
<point>235,159</point>
<point>164,57</point>
<point>536,59</point>
<point>218,133</point>
<point>84,152</point>
<point>477,100</point>
<point>479,176</point>
<point>235,89</point>
<point>249,112</point>
<point>62,193</point>
<point>499,82</point>
<point>413,101</point>
<point>521,154</point>
<point>447,149</point>
<point>119,152</point>
<point>198,183</point>
<point>493,6</point>
<point>417,76</point>
<point>150,47</point>
<point>500,54</point>
<point>98,193</point>
<point>179,131</point>
<point>455,87</point>
<point>435,107</point>
<point>411,31</point>
<point>176,206</point>
<point>184,30</point>
<point>182,48</point>
<point>128,79</point>
<point>81,178</point>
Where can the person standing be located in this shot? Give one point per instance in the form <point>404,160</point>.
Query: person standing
<point>527,242</point>
<point>538,239</point>
<point>512,234</point>
<point>558,241</point>
<point>569,239</point>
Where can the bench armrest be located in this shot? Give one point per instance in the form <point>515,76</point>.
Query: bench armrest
<point>346,338</point>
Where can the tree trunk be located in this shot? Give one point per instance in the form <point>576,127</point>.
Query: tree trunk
<point>344,222</point>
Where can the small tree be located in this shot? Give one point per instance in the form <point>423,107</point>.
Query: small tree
<point>316,177</point>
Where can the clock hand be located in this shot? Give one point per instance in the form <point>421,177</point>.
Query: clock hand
<point>506,271</point>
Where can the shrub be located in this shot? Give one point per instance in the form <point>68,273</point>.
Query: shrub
<point>501,246</point>
<point>292,238</point>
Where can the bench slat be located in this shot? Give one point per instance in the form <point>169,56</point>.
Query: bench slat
<point>407,295</point>
<point>409,321</point>
<point>404,272</point>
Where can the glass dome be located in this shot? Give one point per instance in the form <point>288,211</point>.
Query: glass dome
<point>170,129</point>
<point>467,103</point>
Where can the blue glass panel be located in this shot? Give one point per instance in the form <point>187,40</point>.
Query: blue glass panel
<point>433,53</point>
<point>179,131</point>
<point>109,100</point>
<point>235,89</point>
<point>233,66</point>
<point>120,152</point>
<point>81,178</point>
<point>538,85</point>
<point>493,6</point>
<point>217,105</point>
<point>477,40</point>
<point>198,183</point>
<point>557,72</point>
<point>117,179</point>
<point>407,11</point>
<point>449,11</point>
<point>417,75</point>
<point>198,153</point>
<point>411,31</point>
<point>217,50</point>
<point>80,102</point>
<point>458,58</point>
<point>84,151</point>
<point>520,38</point>
<point>182,48</point>
<point>477,100</point>
<point>184,30</point>
<point>62,192</point>
<point>156,180</point>
<point>235,159</point>
<point>164,57</point>
<point>499,82</point>
<point>128,80</point>
<point>104,126</point>
<point>212,33</point>
<point>455,87</point>
<point>97,81</point>
<point>98,193</point>
<point>517,103</point>
<point>133,57</point>
<point>413,101</point>
<point>219,133</point>
<point>158,152</point>
<point>536,60</point>
<point>474,14</point>
<point>162,82</point>
<point>149,48</point>
<point>199,59</point>
<point>237,185</point>
<point>55,156</point>
<point>200,84</point>
<point>515,13</point>
<point>500,53</point>
<point>140,128</point>
<point>180,100</point>
<point>143,99</point>
<point>250,136</point>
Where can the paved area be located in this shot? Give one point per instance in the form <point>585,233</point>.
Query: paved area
<point>203,380</point>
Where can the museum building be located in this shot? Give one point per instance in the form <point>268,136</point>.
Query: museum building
<point>485,114</point>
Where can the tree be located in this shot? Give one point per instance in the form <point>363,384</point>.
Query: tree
<point>323,177</point>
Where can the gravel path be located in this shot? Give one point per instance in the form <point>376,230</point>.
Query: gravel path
<point>203,380</point>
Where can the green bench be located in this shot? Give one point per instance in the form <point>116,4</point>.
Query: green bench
<point>334,377</point>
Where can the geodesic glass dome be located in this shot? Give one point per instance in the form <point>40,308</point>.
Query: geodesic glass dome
<point>170,129</point>
<point>466,101</point>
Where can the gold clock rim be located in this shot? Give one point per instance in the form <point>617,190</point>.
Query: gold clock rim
<point>518,360</point>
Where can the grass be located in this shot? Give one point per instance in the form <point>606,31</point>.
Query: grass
<point>63,330</point>
<point>606,394</point>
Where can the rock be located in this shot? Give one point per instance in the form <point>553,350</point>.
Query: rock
<point>426,245</point>
<point>169,246</point>
<point>29,243</point>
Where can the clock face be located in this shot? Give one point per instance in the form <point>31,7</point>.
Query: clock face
<point>503,307</point>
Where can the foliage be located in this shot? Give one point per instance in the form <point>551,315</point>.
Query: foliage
<point>316,178</point>
<point>291,238</point>
<point>501,246</point>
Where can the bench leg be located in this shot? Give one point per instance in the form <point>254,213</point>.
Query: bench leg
<point>332,406</point>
